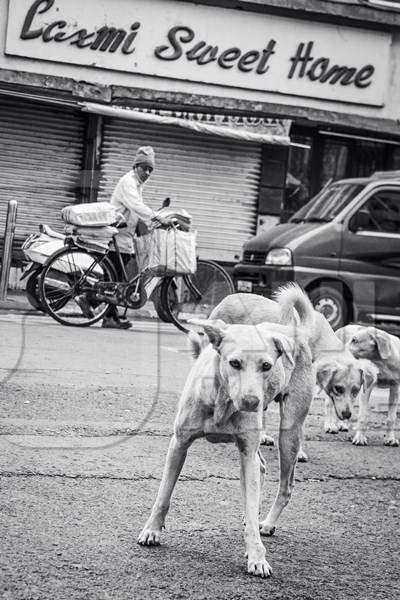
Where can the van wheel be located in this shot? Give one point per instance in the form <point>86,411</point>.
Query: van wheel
<point>331,303</point>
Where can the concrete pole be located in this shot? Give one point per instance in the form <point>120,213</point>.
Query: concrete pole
<point>7,250</point>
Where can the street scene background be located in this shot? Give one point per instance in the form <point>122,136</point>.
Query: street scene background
<point>85,425</point>
<point>271,132</point>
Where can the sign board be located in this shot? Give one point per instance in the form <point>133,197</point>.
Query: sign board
<point>211,45</point>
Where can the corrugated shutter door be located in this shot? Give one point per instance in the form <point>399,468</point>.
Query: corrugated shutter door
<point>40,162</point>
<point>214,179</point>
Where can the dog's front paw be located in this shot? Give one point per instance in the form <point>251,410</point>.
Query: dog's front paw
<point>343,426</point>
<point>331,428</point>
<point>267,440</point>
<point>259,568</point>
<point>359,439</point>
<point>266,529</point>
<point>149,537</point>
<point>391,441</point>
<point>302,456</point>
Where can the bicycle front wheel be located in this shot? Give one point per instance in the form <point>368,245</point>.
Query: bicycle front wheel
<point>68,286</point>
<point>195,296</point>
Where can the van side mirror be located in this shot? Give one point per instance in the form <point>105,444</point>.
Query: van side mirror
<point>359,221</point>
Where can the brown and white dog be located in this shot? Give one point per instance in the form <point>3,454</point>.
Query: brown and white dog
<point>383,350</point>
<point>235,377</point>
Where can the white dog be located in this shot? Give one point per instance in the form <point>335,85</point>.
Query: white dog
<point>383,350</point>
<point>227,391</point>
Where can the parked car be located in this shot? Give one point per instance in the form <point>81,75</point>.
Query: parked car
<point>342,247</point>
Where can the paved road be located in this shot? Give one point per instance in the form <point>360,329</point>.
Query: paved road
<point>85,422</point>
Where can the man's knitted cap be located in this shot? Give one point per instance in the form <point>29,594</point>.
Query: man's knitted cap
<point>145,156</point>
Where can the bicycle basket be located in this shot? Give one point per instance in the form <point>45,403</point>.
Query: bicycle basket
<point>167,252</point>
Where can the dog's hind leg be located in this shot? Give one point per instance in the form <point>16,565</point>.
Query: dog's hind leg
<point>293,413</point>
<point>250,470</point>
<point>177,451</point>
<point>391,439</point>
<point>289,446</point>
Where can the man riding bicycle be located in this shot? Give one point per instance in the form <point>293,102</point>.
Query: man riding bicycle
<point>127,198</point>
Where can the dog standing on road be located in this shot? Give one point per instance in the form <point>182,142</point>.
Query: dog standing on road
<point>383,350</point>
<point>338,372</point>
<point>230,385</point>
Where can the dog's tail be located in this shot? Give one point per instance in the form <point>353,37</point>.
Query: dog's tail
<point>291,297</point>
<point>197,341</point>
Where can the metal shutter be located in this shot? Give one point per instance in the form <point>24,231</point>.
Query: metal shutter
<point>214,179</point>
<point>40,162</point>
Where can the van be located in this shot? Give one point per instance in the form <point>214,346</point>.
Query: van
<point>342,247</point>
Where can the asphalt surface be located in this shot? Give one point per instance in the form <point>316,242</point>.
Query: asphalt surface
<point>85,422</point>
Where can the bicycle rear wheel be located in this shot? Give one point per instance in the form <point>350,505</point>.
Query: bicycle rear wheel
<point>68,286</point>
<point>195,296</point>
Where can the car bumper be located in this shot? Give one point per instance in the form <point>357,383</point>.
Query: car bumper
<point>261,279</point>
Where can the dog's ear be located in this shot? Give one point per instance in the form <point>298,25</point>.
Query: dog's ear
<point>214,329</point>
<point>325,371</point>
<point>284,347</point>
<point>369,373</point>
<point>197,341</point>
<point>382,340</point>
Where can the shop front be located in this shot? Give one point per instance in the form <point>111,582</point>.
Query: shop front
<point>249,111</point>
<point>209,165</point>
<point>40,160</point>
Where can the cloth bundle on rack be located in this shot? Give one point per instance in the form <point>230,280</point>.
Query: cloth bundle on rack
<point>98,236</point>
<point>92,214</point>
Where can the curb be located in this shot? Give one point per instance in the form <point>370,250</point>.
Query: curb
<point>18,303</point>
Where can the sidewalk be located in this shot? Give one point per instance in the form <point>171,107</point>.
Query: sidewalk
<point>16,301</point>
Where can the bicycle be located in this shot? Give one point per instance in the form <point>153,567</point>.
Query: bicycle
<point>79,282</point>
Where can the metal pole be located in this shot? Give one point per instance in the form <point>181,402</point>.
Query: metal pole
<point>7,250</point>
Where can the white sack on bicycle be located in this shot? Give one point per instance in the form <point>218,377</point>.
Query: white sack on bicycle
<point>92,214</point>
<point>167,251</point>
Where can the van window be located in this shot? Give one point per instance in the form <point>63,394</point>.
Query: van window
<point>381,212</point>
<point>327,203</point>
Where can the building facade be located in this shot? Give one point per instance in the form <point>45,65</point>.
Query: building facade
<point>218,89</point>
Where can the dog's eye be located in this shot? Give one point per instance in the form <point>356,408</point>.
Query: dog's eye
<point>354,340</point>
<point>266,366</point>
<point>338,389</point>
<point>354,391</point>
<point>235,364</point>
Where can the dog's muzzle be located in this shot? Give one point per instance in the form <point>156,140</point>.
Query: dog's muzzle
<point>249,403</point>
<point>346,413</point>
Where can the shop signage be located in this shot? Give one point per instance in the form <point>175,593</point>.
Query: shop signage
<point>211,45</point>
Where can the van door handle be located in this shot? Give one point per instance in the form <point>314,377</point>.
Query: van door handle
<point>333,254</point>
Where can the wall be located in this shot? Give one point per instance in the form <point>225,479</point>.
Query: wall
<point>76,78</point>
